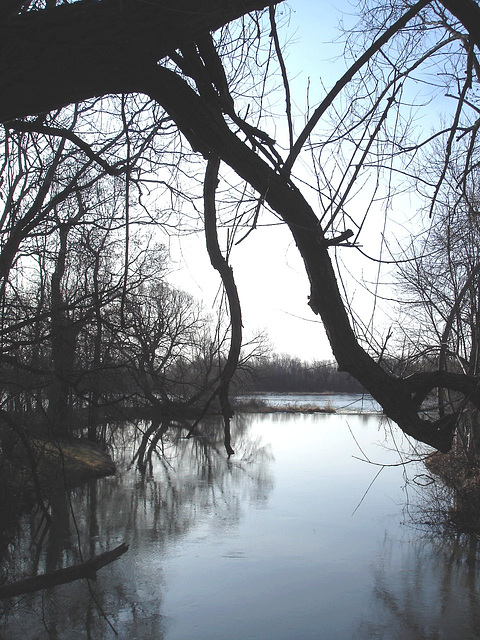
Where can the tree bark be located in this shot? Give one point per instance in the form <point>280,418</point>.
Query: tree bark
<point>55,57</point>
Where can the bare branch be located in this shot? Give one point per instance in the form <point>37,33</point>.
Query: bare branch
<point>68,134</point>
<point>283,68</point>
<point>347,77</point>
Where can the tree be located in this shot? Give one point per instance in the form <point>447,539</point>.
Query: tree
<point>202,120</point>
<point>193,89</point>
<point>284,373</point>
<point>162,325</point>
<point>440,282</point>
<point>105,49</point>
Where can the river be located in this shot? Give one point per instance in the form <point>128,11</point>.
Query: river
<point>312,530</point>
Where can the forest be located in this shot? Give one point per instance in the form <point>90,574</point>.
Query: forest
<point>284,373</point>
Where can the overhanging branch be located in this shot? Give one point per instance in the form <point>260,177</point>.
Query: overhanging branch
<point>51,58</point>
<point>207,132</point>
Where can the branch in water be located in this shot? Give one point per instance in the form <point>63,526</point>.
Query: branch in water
<point>86,569</point>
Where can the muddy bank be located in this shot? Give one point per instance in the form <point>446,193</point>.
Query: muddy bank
<point>72,462</point>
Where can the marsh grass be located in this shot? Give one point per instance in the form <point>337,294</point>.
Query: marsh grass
<point>257,405</point>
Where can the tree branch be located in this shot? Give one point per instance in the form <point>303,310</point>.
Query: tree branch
<point>283,68</point>
<point>221,265</point>
<point>345,79</point>
<point>86,569</point>
<point>75,51</point>
<point>468,13</point>
<point>29,126</point>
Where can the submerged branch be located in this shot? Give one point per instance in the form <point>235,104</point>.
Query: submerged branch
<point>86,569</point>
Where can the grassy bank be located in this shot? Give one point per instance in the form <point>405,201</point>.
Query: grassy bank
<point>257,405</point>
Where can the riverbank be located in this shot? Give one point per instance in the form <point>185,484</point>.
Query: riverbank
<point>74,461</point>
<point>257,405</point>
<point>462,476</point>
<point>60,463</point>
<point>42,469</point>
<point>325,402</point>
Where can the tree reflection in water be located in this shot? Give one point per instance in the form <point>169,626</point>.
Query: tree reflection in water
<point>200,554</point>
<point>426,588</point>
<point>179,484</point>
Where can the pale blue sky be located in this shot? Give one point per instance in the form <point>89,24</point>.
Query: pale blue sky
<point>269,272</point>
<point>270,276</point>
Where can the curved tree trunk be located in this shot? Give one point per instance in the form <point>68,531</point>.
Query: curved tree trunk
<point>208,133</point>
<point>225,270</point>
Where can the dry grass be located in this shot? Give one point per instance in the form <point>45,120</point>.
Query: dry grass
<point>256,405</point>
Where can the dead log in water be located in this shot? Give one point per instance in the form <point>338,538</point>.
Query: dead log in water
<point>86,569</point>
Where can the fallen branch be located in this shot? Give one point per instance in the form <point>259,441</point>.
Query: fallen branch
<point>86,569</point>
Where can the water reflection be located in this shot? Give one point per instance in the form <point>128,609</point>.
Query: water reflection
<point>424,590</point>
<point>263,545</point>
<point>183,484</point>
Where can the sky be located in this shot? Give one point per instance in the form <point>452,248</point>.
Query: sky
<point>269,273</point>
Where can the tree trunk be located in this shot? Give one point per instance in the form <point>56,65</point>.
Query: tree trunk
<point>95,393</point>
<point>63,339</point>
<point>51,58</point>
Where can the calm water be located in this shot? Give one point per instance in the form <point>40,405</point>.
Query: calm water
<point>281,542</point>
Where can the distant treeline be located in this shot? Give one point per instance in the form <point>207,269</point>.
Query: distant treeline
<point>284,373</point>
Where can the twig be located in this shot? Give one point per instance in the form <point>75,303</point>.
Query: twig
<point>345,79</point>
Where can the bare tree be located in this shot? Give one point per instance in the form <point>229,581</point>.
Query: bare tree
<point>202,93</point>
<point>439,279</point>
